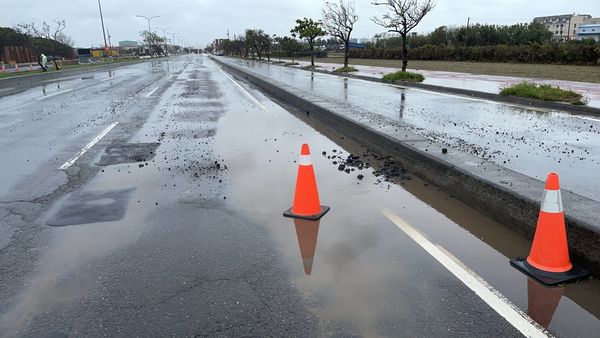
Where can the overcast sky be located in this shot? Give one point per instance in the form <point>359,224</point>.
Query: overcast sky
<point>200,21</point>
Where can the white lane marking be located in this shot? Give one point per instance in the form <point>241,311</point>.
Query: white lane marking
<point>50,95</point>
<point>109,78</point>
<point>170,77</point>
<point>88,146</point>
<point>152,92</point>
<point>587,118</point>
<point>486,292</point>
<point>244,90</point>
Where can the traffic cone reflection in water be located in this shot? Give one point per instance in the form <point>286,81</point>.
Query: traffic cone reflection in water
<point>542,301</point>
<point>307,232</point>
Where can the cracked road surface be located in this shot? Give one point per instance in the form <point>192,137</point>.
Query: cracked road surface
<point>170,223</point>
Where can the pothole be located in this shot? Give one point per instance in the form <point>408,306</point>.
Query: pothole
<point>128,153</point>
<point>91,207</point>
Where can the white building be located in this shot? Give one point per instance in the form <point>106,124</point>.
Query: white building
<point>589,31</point>
<point>564,27</point>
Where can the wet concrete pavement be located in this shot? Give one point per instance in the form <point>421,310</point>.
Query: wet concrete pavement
<point>483,83</point>
<point>171,225</point>
<point>530,141</point>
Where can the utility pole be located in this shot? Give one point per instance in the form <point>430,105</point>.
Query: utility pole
<point>102,21</point>
<point>109,43</point>
<point>467,31</point>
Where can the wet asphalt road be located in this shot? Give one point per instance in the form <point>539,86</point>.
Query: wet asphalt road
<point>171,224</point>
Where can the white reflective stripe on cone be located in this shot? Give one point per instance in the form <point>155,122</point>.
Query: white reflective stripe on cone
<point>305,160</point>
<point>552,201</point>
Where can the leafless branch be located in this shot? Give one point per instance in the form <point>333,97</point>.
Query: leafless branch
<point>403,15</point>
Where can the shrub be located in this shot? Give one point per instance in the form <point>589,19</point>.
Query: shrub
<point>554,53</point>
<point>543,92</point>
<point>345,70</point>
<point>403,76</point>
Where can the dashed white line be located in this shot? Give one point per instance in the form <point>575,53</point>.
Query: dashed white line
<point>170,77</point>
<point>504,307</point>
<point>244,90</point>
<point>109,78</point>
<point>88,146</point>
<point>53,94</point>
<point>152,92</point>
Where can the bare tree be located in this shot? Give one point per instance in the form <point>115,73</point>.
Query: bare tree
<point>403,16</point>
<point>338,21</point>
<point>38,38</point>
<point>258,40</point>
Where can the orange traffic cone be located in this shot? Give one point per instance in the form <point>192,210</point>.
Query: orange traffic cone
<point>542,302</point>
<point>3,69</point>
<point>306,199</point>
<point>30,67</point>
<point>17,67</point>
<point>307,232</point>
<point>548,259</point>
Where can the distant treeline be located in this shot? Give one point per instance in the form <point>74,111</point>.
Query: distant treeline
<point>474,35</point>
<point>557,53</point>
<point>521,43</point>
<point>10,37</point>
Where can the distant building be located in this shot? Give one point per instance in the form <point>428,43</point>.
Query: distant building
<point>589,31</point>
<point>592,21</point>
<point>217,46</point>
<point>128,44</point>
<point>564,27</point>
<point>360,40</point>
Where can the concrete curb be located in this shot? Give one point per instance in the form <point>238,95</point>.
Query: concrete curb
<point>516,206</point>
<point>521,101</point>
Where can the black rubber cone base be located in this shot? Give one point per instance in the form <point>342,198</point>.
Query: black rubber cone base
<point>548,278</point>
<point>324,210</point>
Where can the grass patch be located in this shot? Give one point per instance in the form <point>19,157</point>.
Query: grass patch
<point>345,70</point>
<point>543,92</point>
<point>277,62</point>
<point>544,71</point>
<point>310,67</point>
<point>291,63</point>
<point>403,76</point>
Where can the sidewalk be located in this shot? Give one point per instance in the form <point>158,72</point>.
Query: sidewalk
<point>483,83</point>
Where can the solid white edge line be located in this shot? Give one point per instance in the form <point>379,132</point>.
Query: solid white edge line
<point>50,95</point>
<point>88,146</point>
<point>243,89</point>
<point>152,92</point>
<point>587,118</point>
<point>504,307</point>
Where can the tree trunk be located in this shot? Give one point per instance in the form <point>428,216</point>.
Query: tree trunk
<point>346,53</point>
<point>312,55</point>
<point>404,52</point>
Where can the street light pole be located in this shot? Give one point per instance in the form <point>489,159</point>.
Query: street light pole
<point>164,30</point>
<point>102,21</point>
<point>147,18</point>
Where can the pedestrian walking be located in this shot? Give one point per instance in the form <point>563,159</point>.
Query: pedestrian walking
<point>43,61</point>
